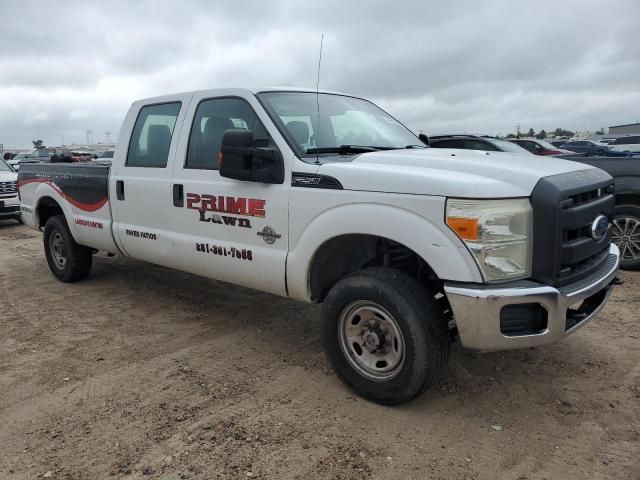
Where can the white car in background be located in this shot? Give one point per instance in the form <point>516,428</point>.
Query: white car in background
<point>9,202</point>
<point>18,159</point>
<point>630,143</point>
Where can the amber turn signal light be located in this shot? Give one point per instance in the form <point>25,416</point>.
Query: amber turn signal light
<point>466,228</point>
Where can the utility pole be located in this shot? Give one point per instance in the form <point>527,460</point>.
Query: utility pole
<point>518,131</point>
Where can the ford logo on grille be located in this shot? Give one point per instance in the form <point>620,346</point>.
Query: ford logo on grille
<point>599,227</point>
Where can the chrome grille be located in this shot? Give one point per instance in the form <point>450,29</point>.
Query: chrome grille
<point>8,189</point>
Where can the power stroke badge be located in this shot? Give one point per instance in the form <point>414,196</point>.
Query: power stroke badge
<point>269,235</point>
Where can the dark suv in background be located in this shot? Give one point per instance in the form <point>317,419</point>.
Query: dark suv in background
<point>475,142</point>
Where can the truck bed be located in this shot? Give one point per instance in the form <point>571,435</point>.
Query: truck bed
<point>79,190</point>
<point>83,185</point>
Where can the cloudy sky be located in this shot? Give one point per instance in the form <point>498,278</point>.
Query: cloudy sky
<point>463,66</point>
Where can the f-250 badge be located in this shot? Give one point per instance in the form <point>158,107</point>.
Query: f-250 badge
<point>269,235</point>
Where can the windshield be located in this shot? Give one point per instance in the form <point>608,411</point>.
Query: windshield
<point>343,121</point>
<point>509,146</point>
<point>4,167</point>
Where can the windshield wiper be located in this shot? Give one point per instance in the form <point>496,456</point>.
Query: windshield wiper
<point>344,149</point>
<point>415,146</point>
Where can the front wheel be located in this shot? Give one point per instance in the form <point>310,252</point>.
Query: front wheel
<point>626,235</point>
<point>385,335</point>
<point>68,261</point>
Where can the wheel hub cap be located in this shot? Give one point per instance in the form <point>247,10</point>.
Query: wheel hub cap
<point>371,340</point>
<point>626,234</point>
<point>56,246</point>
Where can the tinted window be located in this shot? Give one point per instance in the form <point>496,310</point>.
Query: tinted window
<point>213,118</point>
<point>627,140</point>
<point>151,137</point>
<point>453,143</point>
<point>506,146</point>
<point>479,145</point>
<point>527,145</point>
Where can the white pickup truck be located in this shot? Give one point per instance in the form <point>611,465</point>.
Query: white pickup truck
<point>324,197</point>
<point>9,203</point>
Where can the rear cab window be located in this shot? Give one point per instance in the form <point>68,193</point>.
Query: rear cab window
<point>151,137</point>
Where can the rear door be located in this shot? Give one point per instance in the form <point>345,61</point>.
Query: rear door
<point>140,182</point>
<point>227,229</point>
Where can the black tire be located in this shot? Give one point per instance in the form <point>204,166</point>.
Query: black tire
<point>77,258</point>
<point>629,257</point>
<point>415,311</point>
<point>19,220</point>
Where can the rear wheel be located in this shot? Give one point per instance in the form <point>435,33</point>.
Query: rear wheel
<point>385,335</point>
<point>626,235</point>
<point>68,261</point>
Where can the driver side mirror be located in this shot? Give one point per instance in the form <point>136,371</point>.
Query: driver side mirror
<point>241,159</point>
<point>424,139</point>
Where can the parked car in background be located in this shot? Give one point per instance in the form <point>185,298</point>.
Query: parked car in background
<point>17,159</point>
<point>626,213</point>
<point>42,154</point>
<point>9,202</point>
<point>475,142</point>
<point>539,147</point>
<point>105,156</point>
<point>626,144</point>
<point>586,146</point>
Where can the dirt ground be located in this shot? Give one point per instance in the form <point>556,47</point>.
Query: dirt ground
<point>144,372</point>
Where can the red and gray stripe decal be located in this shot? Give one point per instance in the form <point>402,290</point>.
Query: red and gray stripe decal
<point>87,199</point>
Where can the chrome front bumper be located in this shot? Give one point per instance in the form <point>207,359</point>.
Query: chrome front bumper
<point>477,310</point>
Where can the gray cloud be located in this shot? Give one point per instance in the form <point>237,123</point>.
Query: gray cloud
<point>69,66</point>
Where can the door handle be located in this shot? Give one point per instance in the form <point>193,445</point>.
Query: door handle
<point>178,195</point>
<point>120,189</point>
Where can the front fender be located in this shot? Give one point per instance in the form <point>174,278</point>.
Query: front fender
<point>436,244</point>
<point>627,185</point>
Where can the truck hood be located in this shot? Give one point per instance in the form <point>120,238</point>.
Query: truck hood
<point>447,172</point>
<point>8,176</point>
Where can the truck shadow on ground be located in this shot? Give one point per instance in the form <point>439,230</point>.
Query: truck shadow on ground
<point>290,330</point>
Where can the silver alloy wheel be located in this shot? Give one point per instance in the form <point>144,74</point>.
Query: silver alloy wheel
<point>626,234</point>
<point>371,340</point>
<point>56,246</point>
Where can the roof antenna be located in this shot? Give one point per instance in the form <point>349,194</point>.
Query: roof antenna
<point>317,133</point>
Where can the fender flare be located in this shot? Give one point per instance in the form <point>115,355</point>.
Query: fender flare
<point>45,190</point>
<point>436,245</point>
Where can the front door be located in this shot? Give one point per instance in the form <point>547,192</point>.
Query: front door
<point>227,229</point>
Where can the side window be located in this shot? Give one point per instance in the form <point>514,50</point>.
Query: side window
<point>214,117</point>
<point>151,136</point>
<point>479,145</point>
<point>447,144</point>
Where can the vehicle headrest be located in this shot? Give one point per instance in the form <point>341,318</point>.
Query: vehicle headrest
<point>217,125</point>
<point>158,139</point>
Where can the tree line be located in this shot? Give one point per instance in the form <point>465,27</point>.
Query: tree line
<point>542,134</point>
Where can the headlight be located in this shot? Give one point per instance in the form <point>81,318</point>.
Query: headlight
<point>497,232</point>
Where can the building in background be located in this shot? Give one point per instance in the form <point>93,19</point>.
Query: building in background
<point>630,128</point>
